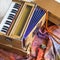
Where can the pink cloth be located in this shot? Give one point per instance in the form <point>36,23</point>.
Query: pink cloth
<point>39,39</point>
<point>53,51</point>
<point>4,55</point>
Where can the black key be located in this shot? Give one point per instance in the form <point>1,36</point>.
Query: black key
<point>14,11</point>
<point>8,22</point>
<point>4,31</point>
<point>6,26</point>
<point>11,15</point>
<point>16,6</point>
<point>10,18</point>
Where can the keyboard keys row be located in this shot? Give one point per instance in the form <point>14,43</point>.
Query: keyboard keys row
<point>11,14</point>
<point>16,6</point>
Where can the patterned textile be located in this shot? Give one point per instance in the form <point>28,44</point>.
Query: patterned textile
<point>53,48</point>
<point>4,55</point>
<point>40,41</point>
<point>40,54</point>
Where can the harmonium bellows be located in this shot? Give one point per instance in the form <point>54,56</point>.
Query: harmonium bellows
<point>19,23</point>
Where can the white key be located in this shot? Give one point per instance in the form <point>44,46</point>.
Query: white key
<point>6,16</point>
<point>6,22</point>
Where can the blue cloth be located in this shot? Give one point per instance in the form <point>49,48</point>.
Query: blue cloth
<point>37,15</point>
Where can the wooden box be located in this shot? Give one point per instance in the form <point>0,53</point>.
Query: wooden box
<point>12,42</point>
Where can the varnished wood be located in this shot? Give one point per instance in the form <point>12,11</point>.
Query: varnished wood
<point>53,7</point>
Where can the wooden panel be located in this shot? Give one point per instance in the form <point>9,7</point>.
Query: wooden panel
<point>54,9</point>
<point>50,5</point>
<point>21,20</point>
<point>54,19</point>
<point>13,49</point>
<point>4,39</point>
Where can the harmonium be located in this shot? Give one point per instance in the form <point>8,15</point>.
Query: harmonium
<point>21,20</point>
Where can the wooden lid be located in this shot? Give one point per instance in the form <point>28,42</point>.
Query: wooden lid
<point>50,5</point>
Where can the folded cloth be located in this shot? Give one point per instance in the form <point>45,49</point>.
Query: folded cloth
<point>53,48</point>
<point>40,54</point>
<point>49,53</point>
<point>4,55</point>
<point>56,45</point>
<point>40,41</point>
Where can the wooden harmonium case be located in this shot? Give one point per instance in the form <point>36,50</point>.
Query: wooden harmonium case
<point>37,18</point>
<point>22,20</point>
<point>11,53</point>
<point>19,23</point>
<point>8,22</point>
<point>29,17</point>
<point>10,17</point>
<point>54,9</point>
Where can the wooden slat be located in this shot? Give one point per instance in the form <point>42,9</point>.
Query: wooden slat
<point>22,19</point>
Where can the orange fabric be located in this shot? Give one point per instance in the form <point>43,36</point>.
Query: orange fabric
<point>40,54</point>
<point>50,31</point>
<point>12,56</point>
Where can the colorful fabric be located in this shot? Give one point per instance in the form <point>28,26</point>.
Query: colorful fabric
<point>53,48</point>
<point>4,55</point>
<point>40,41</point>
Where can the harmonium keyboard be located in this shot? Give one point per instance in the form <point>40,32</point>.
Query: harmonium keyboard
<point>19,23</point>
